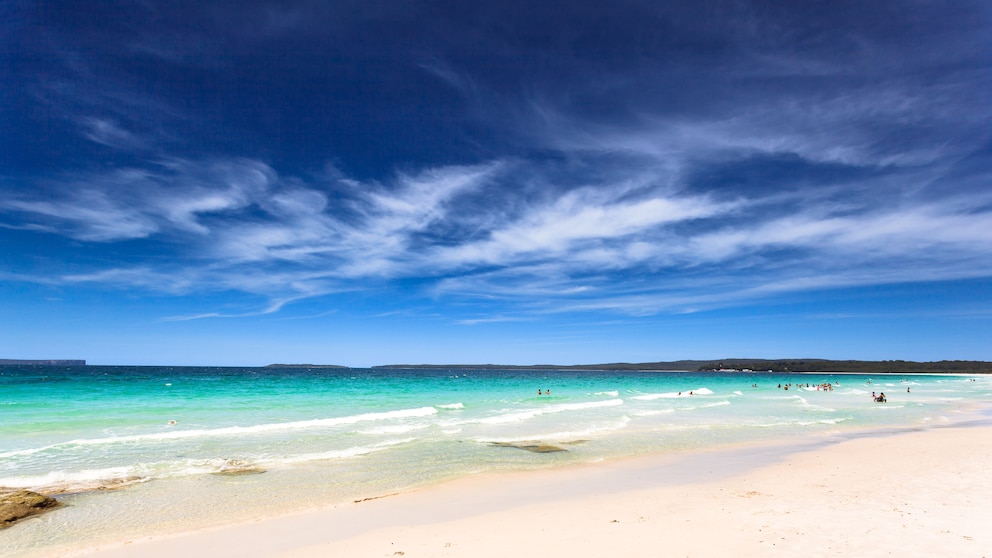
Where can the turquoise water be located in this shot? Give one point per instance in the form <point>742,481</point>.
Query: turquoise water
<point>325,436</point>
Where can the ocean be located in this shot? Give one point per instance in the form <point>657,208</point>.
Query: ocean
<point>136,451</point>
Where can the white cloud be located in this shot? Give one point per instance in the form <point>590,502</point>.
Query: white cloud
<point>144,277</point>
<point>90,215</point>
<point>109,133</point>
<point>579,220</point>
<point>137,203</point>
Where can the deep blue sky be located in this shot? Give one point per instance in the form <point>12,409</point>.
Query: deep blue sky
<point>361,182</point>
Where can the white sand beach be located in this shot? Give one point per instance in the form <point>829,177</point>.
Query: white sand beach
<point>917,493</point>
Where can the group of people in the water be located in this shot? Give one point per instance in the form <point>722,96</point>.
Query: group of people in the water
<point>825,386</point>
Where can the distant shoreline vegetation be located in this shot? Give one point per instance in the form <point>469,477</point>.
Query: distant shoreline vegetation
<point>747,365</point>
<point>725,365</point>
<point>16,362</point>
<point>306,366</point>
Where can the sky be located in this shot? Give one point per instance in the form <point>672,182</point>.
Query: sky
<point>517,182</point>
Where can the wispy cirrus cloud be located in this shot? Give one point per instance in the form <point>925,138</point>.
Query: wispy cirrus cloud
<point>580,221</point>
<point>135,203</point>
<point>731,260</point>
<point>631,244</point>
<point>87,215</point>
<point>110,134</point>
<point>233,220</point>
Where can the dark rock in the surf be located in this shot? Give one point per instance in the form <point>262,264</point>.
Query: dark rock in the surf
<point>536,447</point>
<point>18,504</point>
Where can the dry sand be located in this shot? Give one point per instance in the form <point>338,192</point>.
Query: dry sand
<point>921,493</point>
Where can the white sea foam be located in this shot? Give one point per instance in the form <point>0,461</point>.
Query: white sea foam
<point>653,396</point>
<point>714,404</point>
<point>806,405</point>
<point>608,393</point>
<point>561,436</point>
<point>340,454</point>
<point>673,394</point>
<point>779,424</point>
<point>393,429</point>
<point>654,412</point>
<point>28,451</point>
<point>62,479</point>
<point>451,406</point>
<point>703,406</point>
<point>233,430</point>
<point>517,416</point>
<point>94,479</point>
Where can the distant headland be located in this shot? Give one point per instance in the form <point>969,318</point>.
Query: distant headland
<point>305,366</point>
<point>9,361</point>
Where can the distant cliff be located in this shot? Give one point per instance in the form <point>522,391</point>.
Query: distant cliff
<point>8,361</point>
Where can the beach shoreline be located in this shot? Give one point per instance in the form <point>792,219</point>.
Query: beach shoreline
<point>867,493</point>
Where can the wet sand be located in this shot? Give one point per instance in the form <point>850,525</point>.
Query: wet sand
<point>912,493</point>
